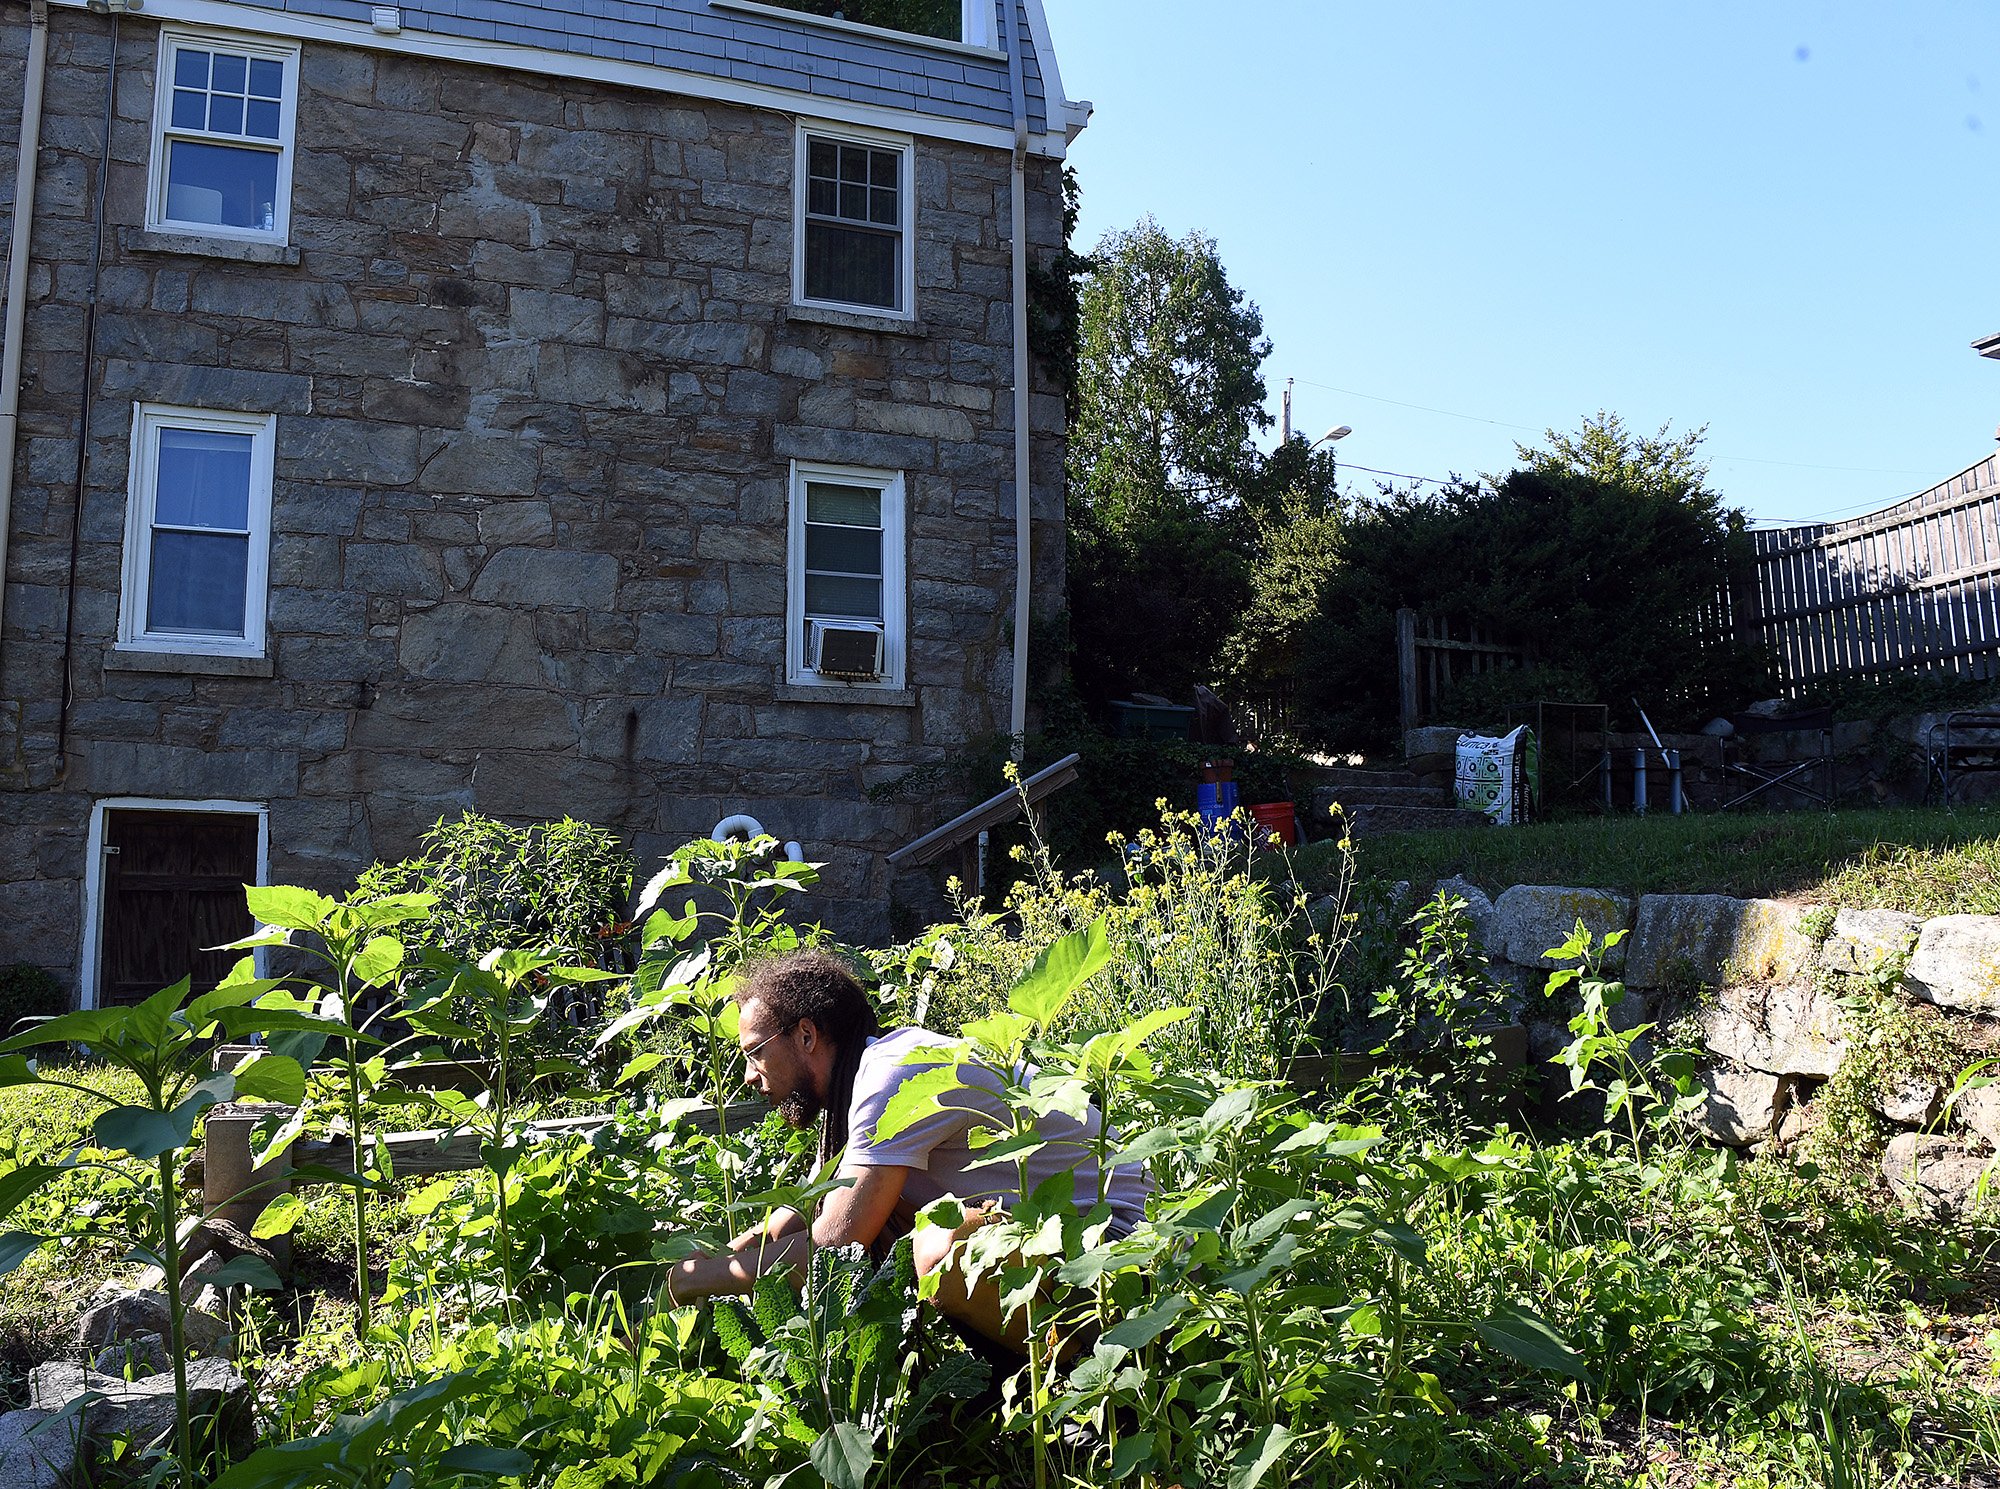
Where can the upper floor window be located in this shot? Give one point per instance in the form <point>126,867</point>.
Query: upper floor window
<point>222,137</point>
<point>853,249</point>
<point>845,607</point>
<point>197,531</point>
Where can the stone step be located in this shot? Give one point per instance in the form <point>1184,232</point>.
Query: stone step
<point>1379,796</point>
<point>1343,777</point>
<point>1375,821</point>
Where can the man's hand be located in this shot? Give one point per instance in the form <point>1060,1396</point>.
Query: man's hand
<point>853,1213</point>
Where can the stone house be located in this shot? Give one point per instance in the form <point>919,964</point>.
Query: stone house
<point>608,408</point>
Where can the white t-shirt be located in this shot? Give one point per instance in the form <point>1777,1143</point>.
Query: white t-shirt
<point>936,1150</point>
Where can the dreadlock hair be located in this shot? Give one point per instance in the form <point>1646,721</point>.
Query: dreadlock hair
<point>818,986</point>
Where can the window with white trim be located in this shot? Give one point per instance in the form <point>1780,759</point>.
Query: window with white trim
<point>854,212</point>
<point>845,608</point>
<point>223,114</point>
<point>197,532</point>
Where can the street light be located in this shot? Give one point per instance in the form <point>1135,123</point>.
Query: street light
<point>1340,431</point>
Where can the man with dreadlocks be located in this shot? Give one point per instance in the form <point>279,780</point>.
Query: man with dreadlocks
<point>813,1047</point>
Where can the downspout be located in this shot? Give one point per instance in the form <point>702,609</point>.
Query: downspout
<point>1023,495</point>
<point>25,175</point>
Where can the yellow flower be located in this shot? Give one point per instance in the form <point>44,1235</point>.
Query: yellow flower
<point>1011,771</point>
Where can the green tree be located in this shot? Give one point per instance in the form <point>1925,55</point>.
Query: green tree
<point>1605,552</point>
<point>1163,449</point>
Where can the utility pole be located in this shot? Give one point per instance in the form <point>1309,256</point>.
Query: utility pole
<point>1285,424</point>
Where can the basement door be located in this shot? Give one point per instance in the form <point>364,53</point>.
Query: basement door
<point>173,884</point>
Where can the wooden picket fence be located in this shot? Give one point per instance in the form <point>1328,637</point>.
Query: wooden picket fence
<point>1434,651</point>
<point>1910,588</point>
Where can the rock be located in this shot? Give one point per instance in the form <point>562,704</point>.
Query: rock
<point>1782,1029</point>
<point>36,1459</point>
<point>1742,1106</point>
<point>1478,909</point>
<point>117,1314</point>
<point>1957,962</point>
<point>1942,1175</point>
<point>1978,1111</point>
<point>1532,918</point>
<point>225,1241</point>
<point>141,1412</point>
<point>1907,1100</point>
<point>1862,938</point>
<point>146,1354</point>
<point>1714,939</point>
<point>1799,1121</point>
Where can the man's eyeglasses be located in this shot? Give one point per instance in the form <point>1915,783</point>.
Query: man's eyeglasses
<point>755,1054</point>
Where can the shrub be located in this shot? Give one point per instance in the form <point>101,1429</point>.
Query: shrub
<point>28,991</point>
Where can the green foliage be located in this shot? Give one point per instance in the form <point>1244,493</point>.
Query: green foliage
<point>558,884</point>
<point>162,1044</point>
<point>29,991</point>
<point>943,18</point>
<point>1603,553</point>
<point>1170,397</point>
<point>1922,860</point>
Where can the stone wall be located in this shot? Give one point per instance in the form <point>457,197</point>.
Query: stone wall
<point>537,385</point>
<point>1763,981</point>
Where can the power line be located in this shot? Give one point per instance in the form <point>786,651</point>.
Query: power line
<point>1866,470</point>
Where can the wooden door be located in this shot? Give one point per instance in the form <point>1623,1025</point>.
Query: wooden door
<point>173,884</point>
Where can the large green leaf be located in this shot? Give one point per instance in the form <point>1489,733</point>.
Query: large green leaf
<point>233,993</point>
<point>1522,1336</point>
<point>843,1455</point>
<point>147,1021</point>
<point>288,906</point>
<point>92,1026</point>
<point>16,1071</point>
<point>395,909</point>
<point>379,960</point>
<point>279,1217</point>
<point>919,1096</point>
<point>272,1078</point>
<point>1258,1457</point>
<point>143,1132</point>
<point>1141,1329</point>
<point>16,1247</point>
<point>470,1457</point>
<point>18,1184</point>
<point>252,1272</point>
<point>1047,986</point>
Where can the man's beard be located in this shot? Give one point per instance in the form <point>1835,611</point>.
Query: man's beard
<point>801,1107</point>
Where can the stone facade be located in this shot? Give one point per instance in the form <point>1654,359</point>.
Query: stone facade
<point>538,381</point>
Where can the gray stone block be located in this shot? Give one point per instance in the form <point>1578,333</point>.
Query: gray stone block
<point>471,643</point>
<point>37,1450</point>
<point>1741,1107</point>
<point>1957,963</point>
<point>1938,1175</point>
<point>514,522</point>
<point>548,576</point>
<point>1783,1029</point>
<point>1862,939</point>
<point>1713,939</point>
<point>1531,919</point>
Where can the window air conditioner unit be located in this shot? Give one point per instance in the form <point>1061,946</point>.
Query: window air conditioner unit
<point>845,649</point>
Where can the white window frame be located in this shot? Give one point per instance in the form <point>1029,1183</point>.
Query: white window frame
<point>171,39</point>
<point>88,970</point>
<point>977,23</point>
<point>148,419</point>
<point>906,201</point>
<point>895,604</point>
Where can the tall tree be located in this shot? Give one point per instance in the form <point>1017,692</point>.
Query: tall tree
<point>1162,453</point>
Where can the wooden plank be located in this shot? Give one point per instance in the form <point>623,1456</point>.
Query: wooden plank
<point>1406,667</point>
<point>440,1151</point>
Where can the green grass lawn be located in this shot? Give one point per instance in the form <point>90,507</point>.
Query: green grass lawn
<point>1925,861</point>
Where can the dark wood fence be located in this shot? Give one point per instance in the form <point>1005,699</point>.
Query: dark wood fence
<point>1433,652</point>
<point>1910,588</point>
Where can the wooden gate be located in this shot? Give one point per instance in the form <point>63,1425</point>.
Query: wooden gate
<point>1432,653</point>
<point>173,884</point>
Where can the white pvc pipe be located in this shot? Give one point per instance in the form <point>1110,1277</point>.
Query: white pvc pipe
<point>17,272</point>
<point>1017,727</point>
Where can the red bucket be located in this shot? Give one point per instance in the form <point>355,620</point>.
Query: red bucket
<point>1278,820</point>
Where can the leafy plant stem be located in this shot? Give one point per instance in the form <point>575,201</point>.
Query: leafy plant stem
<point>170,1263</point>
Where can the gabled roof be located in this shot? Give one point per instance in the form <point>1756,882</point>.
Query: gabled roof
<point>1988,346</point>
<point>740,50</point>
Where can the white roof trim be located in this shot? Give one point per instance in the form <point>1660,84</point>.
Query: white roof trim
<point>259,20</point>
<point>1071,115</point>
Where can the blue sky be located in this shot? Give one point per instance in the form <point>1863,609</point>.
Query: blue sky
<point>1779,219</point>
